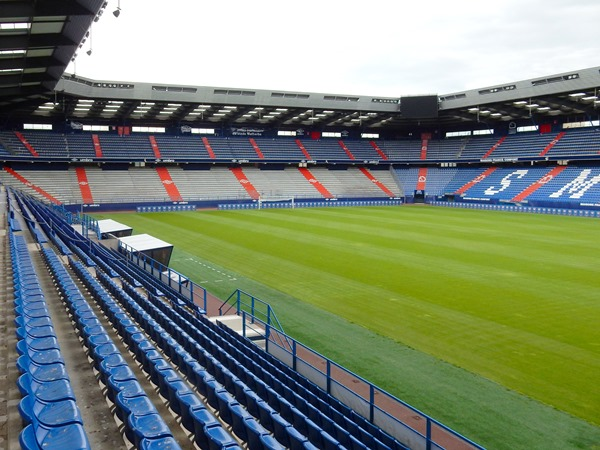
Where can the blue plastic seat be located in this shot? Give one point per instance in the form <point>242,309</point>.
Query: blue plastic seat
<point>187,402</point>
<point>70,437</point>
<point>268,442</point>
<point>99,339</point>
<point>37,344</point>
<point>225,402</point>
<point>128,388</point>
<point>165,378</point>
<point>37,332</point>
<point>48,391</point>
<point>177,390</point>
<point>202,419</point>
<point>48,372</point>
<point>102,351</point>
<point>281,429</point>
<point>52,414</point>
<point>162,443</point>
<point>220,439</point>
<point>148,426</point>
<point>138,405</point>
<point>31,322</point>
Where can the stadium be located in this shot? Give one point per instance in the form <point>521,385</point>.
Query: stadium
<point>228,267</point>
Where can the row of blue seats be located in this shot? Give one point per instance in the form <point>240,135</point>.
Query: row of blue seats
<point>209,376</point>
<point>48,409</point>
<point>48,230</point>
<point>138,276</point>
<point>372,438</point>
<point>312,402</point>
<point>243,425</point>
<point>195,417</point>
<point>342,415</point>
<point>144,427</point>
<point>324,422</point>
<point>249,355</point>
<point>244,385</point>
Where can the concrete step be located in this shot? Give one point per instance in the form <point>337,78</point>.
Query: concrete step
<point>233,321</point>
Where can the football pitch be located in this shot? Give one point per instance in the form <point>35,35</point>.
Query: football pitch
<point>487,321</point>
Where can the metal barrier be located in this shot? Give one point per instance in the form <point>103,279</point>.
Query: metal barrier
<point>165,208</point>
<point>311,204</point>
<point>519,208</point>
<point>406,423</point>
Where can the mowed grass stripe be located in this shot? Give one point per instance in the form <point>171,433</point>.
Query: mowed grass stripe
<point>481,295</point>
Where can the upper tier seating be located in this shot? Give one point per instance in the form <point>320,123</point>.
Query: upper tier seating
<point>583,142</point>
<point>48,144</point>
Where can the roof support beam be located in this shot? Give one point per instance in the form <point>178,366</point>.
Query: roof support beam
<point>24,10</point>
<point>24,41</point>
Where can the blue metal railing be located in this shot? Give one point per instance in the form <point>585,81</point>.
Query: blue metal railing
<point>253,311</point>
<point>399,419</point>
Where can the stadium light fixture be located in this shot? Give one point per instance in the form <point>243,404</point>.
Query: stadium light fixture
<point>89,52</point>
<point>117,12</point>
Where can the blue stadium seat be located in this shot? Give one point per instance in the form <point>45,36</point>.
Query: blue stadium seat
<point>49,414</point>
<point>136,405</point>
<point>162,443</point>
<point>147,426</point>
<point>70,437</point>
<point>48,391</point>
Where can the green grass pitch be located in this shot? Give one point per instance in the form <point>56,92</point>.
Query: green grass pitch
<point>487,321</point>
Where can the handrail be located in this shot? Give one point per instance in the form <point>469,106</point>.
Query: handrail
<point>255,308</point>
<point>378,406</point>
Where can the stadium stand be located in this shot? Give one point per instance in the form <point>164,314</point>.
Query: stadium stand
<point>222,389</point>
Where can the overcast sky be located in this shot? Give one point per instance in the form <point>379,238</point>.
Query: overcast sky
<point>379,47</point>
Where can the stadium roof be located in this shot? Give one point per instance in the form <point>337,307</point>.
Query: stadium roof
<point>37,41</point>
<point>573,94</point>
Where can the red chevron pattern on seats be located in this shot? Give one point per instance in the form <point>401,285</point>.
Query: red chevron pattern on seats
<point>27,145</point>
<point>378,150</point>
<point>84,186</point>
<point>208,148</point>
<point>154,145</point>
<point>422,179</point>
<point>316,183</point>
<point>538,184</point>
<point>256,148</point>
<point>475,180</point>
<point>97,146</point>
<point>376,182</point>
<point>552,143</point>
<point>494,147</point>
<point>28,183</point>
<point>424,144</point>
<point>245,182</point>
<point>169,184</point>
<point>304,151</point>
<point>346,149</point>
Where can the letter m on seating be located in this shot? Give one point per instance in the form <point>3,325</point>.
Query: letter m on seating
<point>579,186</point>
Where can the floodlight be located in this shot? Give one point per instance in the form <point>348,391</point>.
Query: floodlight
<point>117,12</point>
